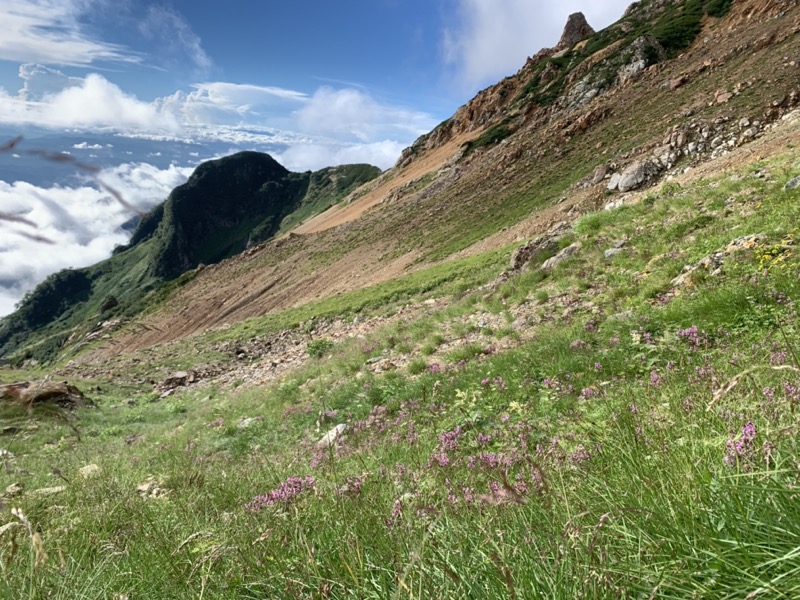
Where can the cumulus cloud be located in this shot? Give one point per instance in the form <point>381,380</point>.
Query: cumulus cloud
<point>48,31</point>
<point>224,102</point>
<point>83,221</point>
<point>490,39</point>
<point>40,81</point>
<point>91,102</point>
<point>351,113</point>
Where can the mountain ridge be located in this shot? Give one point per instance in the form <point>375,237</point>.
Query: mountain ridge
<point>227,205</point>
<point>550,138</point>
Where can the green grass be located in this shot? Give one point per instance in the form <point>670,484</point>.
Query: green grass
<point>597,458</point>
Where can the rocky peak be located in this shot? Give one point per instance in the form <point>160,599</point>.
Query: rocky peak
<point>576,29</point>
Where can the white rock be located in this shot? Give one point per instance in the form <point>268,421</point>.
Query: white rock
<point>334,434</point>
<point>553,262</point>
<point>89,471</point>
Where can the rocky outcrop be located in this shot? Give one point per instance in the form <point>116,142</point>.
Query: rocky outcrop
<point>28,394</point>
<point>552,263</point>
<point>577,29</point>
<point>634,175</point>
<point>546,243</point>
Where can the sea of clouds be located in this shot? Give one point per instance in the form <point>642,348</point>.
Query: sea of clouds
<point>83,223</point>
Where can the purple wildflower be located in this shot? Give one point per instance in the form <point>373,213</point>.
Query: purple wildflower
<point>397,513</point>
<point>580,455</point>
<point>694,337</point>
<point>284,494</point>
<point>792,392</point>
<point>469,495</point>
<point>656,378</point>
<point>449,439</point>
<point>740,450</point>
<point>778,358</point>
<point>353,485</point>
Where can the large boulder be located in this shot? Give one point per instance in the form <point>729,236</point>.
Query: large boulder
<point>29,393</point>
<point>634,175</point>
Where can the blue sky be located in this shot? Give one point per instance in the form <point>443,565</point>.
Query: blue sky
<point>147,89</point>
<point>388,69</point>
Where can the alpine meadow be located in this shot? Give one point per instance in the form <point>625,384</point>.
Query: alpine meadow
<point>553,352</point>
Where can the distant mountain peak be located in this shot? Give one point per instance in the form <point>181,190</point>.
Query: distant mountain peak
<point>576,29</point>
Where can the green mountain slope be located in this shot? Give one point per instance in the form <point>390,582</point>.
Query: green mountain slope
<point>226,206</point>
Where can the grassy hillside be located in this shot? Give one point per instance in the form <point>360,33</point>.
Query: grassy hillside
<point>226,206</point>
<point>383,409</point>
<point>597,430</point>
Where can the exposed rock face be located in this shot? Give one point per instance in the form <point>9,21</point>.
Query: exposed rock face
<point>644,52</point>
<point>577,28</point>
<point>548,242</point>
<point>634,175</point>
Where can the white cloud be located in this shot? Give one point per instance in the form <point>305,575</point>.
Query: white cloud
<point>315,156</point>
<point>84,222</point>
<point>351,114</point>
<point>334,123</point>
<point>223,102</point>
<point>490,39</point>
<point>92,102</point>
<point>174,38</point>
<point>40,81</point>
<point>48,31</point>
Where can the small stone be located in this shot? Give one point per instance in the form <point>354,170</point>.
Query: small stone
<point>15,489</point>
<point>248,422</point>
<point>792,184</point>
<point>334,434</point>
<point>612,252</point>
<point>676,83</point>
<point>723,97</point>
<point>151,489</point>
<point>636,174</point>
<point>518,324</point>
<point>89,471</point>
